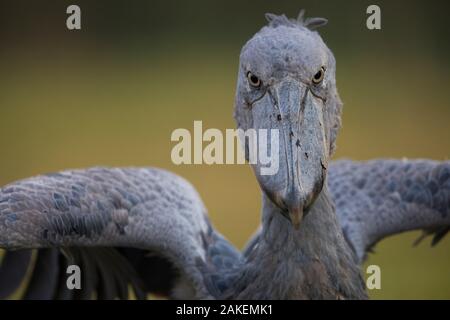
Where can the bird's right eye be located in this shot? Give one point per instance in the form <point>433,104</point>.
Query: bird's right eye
<point>253,80</point>
<point>318,77</point>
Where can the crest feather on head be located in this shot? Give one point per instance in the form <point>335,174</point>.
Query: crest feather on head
<point>281,20</point>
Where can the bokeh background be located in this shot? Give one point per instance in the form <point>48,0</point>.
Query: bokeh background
<point>112,93</point>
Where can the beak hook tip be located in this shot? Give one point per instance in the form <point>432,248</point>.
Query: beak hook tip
<point>296,217</point>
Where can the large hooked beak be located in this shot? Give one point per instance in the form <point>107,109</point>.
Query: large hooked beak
<point>290,108</point>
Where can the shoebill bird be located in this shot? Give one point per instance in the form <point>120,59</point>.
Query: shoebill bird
<point>147,229</point>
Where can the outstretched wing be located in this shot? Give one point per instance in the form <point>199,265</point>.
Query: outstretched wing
<point>144,228</point>
<point>379,198</point>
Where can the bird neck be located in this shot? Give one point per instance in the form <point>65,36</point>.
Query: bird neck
<point>313,262</point>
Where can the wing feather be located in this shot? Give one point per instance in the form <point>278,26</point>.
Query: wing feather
<point>12,271</point>
<point>378,198</point>
<point>82,211</point>
<point>43,283</point>
<point>62,292</point>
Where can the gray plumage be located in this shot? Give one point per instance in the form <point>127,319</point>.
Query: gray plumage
<point>148,228</point>
<point>378,198</point>
<point>147,209</point>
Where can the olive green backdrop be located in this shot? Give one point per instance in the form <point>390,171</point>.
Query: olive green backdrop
<point>112,93</point>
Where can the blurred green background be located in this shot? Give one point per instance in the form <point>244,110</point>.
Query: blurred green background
<point>112,93</point>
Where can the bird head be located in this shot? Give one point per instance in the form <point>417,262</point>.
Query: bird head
<point>287,83</point>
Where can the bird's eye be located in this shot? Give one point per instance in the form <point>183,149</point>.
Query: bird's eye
<point>253,80</point>
<point>318,77</point>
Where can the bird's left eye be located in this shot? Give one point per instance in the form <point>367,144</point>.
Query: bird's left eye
<point>253,80</point>
<point>318,77</point>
